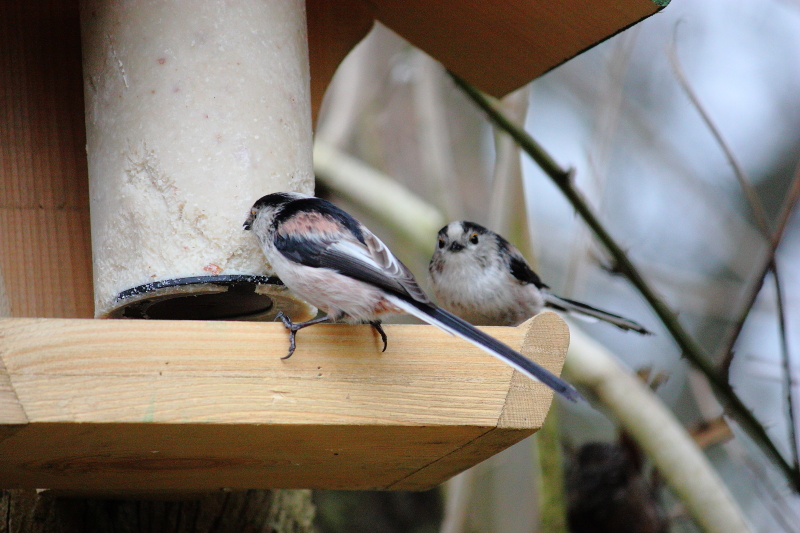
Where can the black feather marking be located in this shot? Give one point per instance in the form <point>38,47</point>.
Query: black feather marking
<point>272,200</point>
<point>390,274</point>
<point>320,254</point>
<point>582,308</point>
<point>317,205</point>
<point>518,266</point>
<point>304,251</point>
<point>350,266</point>
<point>469,227</point>
<point>523,272</point>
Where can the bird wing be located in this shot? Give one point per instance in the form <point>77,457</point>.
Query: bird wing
<point>520,268</point>
<point>360,255</point>
<point>392,266</point>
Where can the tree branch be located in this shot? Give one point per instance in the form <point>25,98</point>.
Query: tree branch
<point>676,456</point>
<point>765,267</point>
<point>762,222</point>
<point>750,194</point>
<point>690,348</point>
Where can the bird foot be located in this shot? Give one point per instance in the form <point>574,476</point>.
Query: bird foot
<point>377,325</point>
<point>294,328</point>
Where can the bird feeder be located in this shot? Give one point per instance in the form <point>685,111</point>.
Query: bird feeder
<point>170,119</point>
<point>193,111</point>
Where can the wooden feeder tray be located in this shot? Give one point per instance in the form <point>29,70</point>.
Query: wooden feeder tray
<point>165,407</point>
<point>98,406</point>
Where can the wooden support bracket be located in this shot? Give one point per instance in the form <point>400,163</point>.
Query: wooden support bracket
<point>103,406</point>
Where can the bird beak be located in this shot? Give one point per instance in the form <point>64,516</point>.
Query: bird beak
<point>249,222</point>
<point>456,247</point>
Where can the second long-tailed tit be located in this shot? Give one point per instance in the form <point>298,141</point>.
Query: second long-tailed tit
<point>331,260</point>
<point>484,279</point>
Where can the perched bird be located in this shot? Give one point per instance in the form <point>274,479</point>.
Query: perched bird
<point>331,260</point>
<point>482,278</point>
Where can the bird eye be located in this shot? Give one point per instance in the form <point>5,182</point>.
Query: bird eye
<point>473,238</point>
<point>441,243</point>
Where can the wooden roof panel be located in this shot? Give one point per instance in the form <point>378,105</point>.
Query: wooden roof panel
<point>501,46</point>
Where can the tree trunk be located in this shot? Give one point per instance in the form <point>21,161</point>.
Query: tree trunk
<point>253,511</point>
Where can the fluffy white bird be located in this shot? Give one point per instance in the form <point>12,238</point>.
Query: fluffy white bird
<point>484,279</point>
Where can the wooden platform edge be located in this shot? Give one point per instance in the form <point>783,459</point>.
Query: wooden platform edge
<point>181,406</point>
<point>547,335</point>
<point>546,341</point>
<point>11,410</point>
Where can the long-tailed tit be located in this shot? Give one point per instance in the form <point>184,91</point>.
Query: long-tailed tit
<point>332,261</point>
<point>481,277</point>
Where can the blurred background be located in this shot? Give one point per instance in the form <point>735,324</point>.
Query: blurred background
<point>662,185</point>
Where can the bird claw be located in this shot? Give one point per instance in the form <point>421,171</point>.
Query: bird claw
<point>292,346</point>
<point>377,325</point>
<point>288,324</point>
<point>285,319</point>
<point>294,328</point>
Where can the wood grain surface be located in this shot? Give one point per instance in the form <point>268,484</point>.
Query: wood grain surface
<point>191,405</point>
<point>45,250</point>
<point>501,46</point>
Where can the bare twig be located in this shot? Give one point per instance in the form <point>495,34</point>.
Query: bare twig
<point>772,237</point>
<point>765,266</point>
<point>787,366</point>
<point>689,346</point>
<point>774,501</point>
<point>753,201</point>
<point>757,207</point>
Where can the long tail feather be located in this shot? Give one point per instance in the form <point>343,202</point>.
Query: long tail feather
<point>578,309</point>
<point>454,325</point>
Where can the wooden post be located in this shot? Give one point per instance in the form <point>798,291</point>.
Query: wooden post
<point>257,511</point>
<point>45,253</point>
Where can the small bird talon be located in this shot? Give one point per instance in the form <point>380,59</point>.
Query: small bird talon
<point>287,323</point>
<point>285,319</point>
<point>292,346</point>
<point>294,328</point>
<point>377,325</point>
